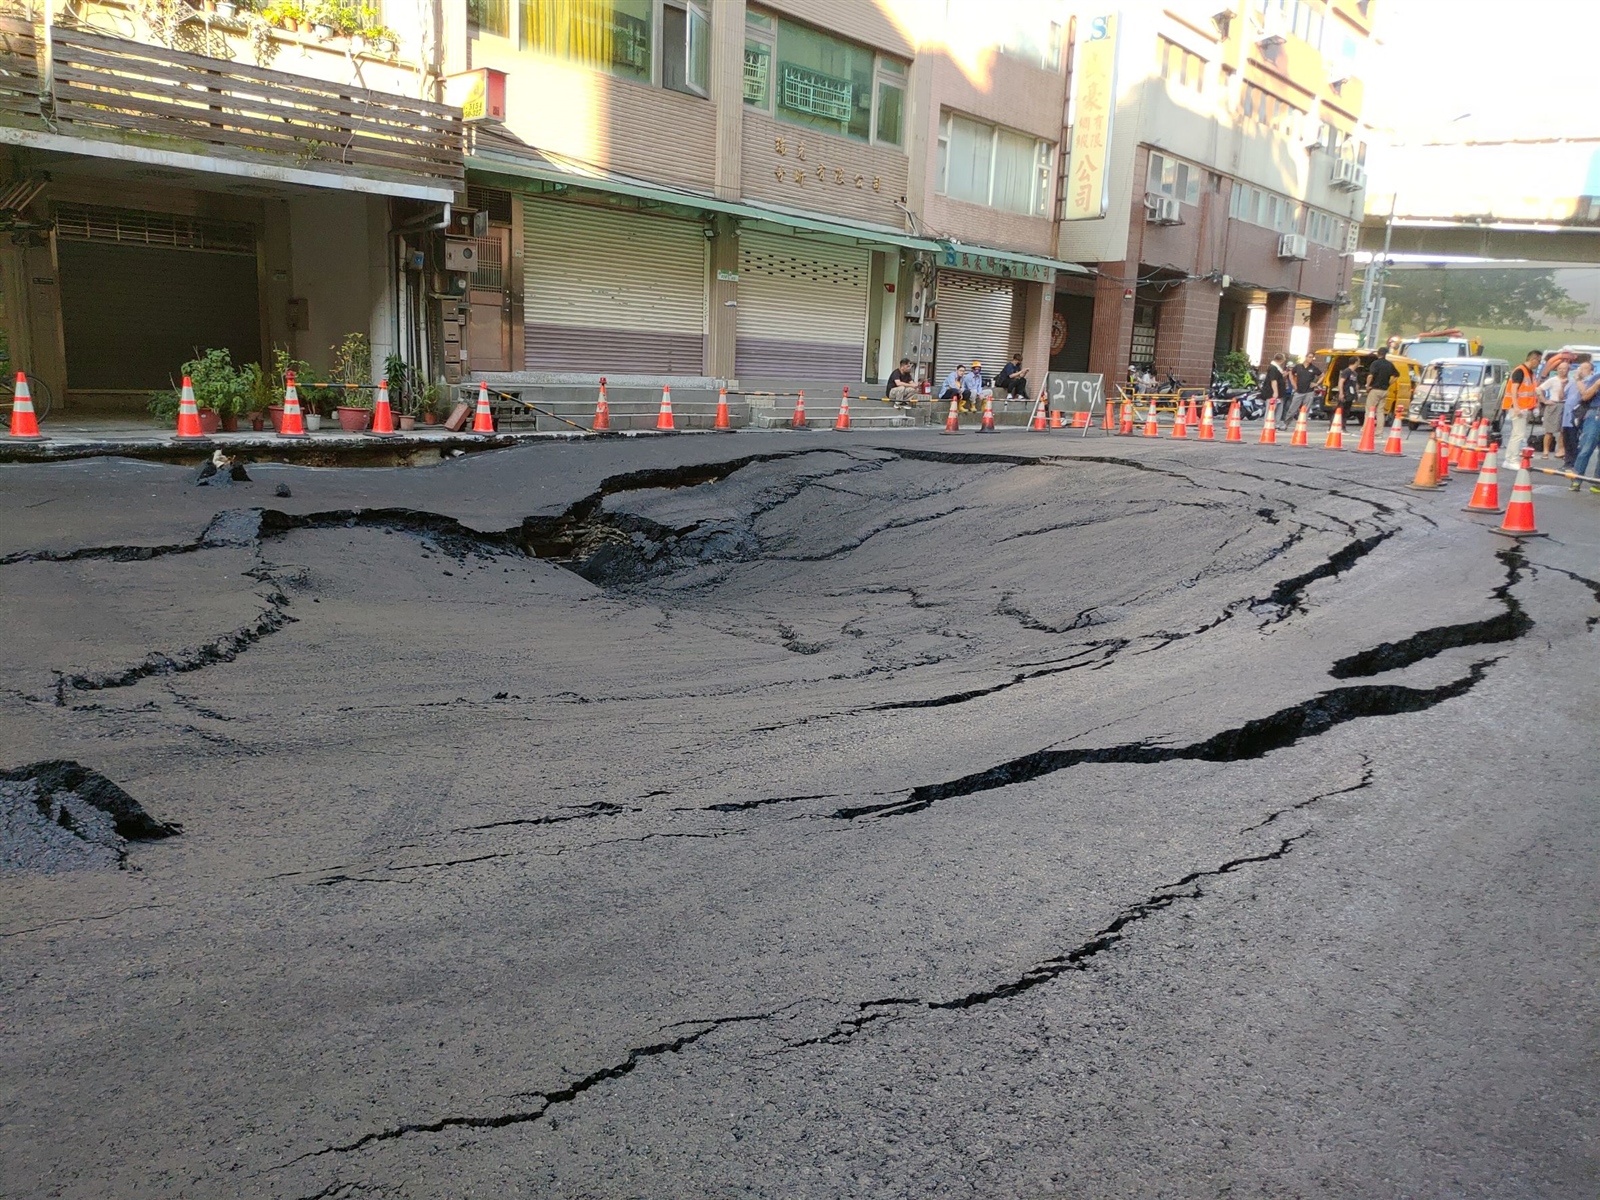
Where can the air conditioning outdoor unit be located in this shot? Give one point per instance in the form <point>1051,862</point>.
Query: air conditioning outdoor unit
<point>1343,170</point>
<point>1292,245</point>
<point>1358,178</point>
<point>1162,210</point>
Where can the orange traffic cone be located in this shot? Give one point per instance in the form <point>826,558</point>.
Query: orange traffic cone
<point>1335,431</point>
<point>602,410</point>
<point>841,423</point>
<point>1396,445</point>
<point>1107,423</point>
<point>1427,476</point>
<point>723,425</point>
<point>1486,494</point>
<point>1038,424</point>
<point>1269,427</point>
<point>1125,421</point>
<point>1194,412</point>
<point>1152,426</point>
<point>1235,430</point>
<point>1457,437</point>
<point>798,421</point>
<point>952,420</point>
<point>293,424</point>
<point>1080,419</point>
<point>1519,513</point>
<point>1443,434</point>
<point>1180,421</point>
<point>1369,433</point>
<point>1055,419</point>
<point>188,414</point>
<point>24,424</point>
<point>1208,428</point>
<point>483,419</point>
<point>986,422</point>
<point>382,414</point>
<point>1302,431</point>
<point>1480,443</point>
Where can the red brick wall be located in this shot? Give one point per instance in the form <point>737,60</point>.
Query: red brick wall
<point>1187,331</point>
<point>1280,320</point>
<point>1324,320</point>
<point>1113,326</point>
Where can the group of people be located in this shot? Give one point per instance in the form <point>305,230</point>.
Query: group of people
<point>1289,383</point>
<point>965,384</point>
<point>1561,393</point>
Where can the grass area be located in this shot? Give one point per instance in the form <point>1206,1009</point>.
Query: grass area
<point>1513,344</point>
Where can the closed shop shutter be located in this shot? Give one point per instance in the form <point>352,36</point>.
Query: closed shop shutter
<point>142,293</point>
<point>802,307</point>
<point>612,292</point>
<point>974,317</point>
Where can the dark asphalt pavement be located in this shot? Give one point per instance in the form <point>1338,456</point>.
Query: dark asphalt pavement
<point>801,816</point>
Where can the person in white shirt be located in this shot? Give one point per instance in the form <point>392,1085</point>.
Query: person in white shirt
<point>1552,395</point>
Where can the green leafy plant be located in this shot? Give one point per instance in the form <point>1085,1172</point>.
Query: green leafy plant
<point>352,359</point>
<point>1236,370</point>
<point>163,406</point>
<point>402,385</point>
<point>218,384</point>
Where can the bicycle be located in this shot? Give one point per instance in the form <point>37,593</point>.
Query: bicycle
<point>38,391</point>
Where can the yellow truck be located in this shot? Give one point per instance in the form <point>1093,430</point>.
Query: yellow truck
<point>1330,364</point>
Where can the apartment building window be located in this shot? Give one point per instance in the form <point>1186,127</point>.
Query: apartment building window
<point>994,166</point>
<point>1325,229</point>
<point>1264,108</point>
<point>685,49</point>
<point>808,77</point>
<point>1180,66</point>
<point>1302,18</point>
<point>1037,43</point>
<point>1170,177</point>
<point>665,41</point>
<point>1267,209</point>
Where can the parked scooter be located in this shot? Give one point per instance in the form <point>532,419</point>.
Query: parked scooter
<point>1222,394</point>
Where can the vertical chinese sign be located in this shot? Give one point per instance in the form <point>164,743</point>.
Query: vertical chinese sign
<point>1094,97</point>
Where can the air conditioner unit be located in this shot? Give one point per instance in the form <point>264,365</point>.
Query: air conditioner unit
<point>1162,210</point>
<point>1343,170</point>
<point>1358,178</point>
<point>1292,245</point>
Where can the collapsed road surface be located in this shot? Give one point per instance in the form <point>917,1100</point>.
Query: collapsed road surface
<point>792,815</point>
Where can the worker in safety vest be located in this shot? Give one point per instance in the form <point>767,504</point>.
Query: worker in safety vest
<point>1521,402</point>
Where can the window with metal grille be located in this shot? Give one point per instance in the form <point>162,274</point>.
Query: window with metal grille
<point>86,223</point>
<point>496,201</point>
<point>489,273</point>
<point>1144,335</point>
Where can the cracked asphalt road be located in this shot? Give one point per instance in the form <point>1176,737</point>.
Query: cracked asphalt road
<point>806,816</point>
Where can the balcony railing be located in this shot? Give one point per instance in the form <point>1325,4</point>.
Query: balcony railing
<point>112,89</point>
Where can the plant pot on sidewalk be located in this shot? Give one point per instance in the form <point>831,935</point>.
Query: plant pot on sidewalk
<point>275,415</point>
<point>408,423</point>
<point>354,420</point>
<point>257,422</point>
<point>430,418</point>
<point>230,423</point>
<point>210,421</point>
<point>313,422</point>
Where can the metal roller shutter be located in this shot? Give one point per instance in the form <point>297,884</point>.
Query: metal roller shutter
<point>974,317</point>
<point>142,293</point>
<point>802,307</point>
<point>608,291</point>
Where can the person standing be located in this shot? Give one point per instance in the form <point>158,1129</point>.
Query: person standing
<point>1301,379</point>
<point>1380,375</point>
<point>1275,387</point>
<point>1521,399</point>
<point>1350,383</point>
<point>1580,395</point>
<point>1589,447</point>
<point>1552,399</point>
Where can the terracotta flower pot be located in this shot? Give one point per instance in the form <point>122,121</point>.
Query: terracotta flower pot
<point>275,415</point>
<point>257,422</point>
<point>430,418</point>
<point>230,423</point>
<point>408,423</point>
<point>210,422</point>
<point>354,420</point>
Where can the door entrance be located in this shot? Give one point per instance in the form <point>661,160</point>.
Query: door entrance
<point>489,300</point>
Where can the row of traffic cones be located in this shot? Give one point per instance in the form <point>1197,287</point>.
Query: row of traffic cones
<point>1434,471</point>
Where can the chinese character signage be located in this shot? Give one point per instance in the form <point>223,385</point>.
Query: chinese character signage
<point>1094,97</point>
<point>992,264</point>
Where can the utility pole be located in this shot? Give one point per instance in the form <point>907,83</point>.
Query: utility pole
<point>1372,298</point>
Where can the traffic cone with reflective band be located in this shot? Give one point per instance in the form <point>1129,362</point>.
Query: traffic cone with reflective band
<point>188,414</point>
<point>952,420</point>
<point>986,422</point>
<point>798,421</point>
<point>1369,433</point>
<point>723,425</point>
<point>1443,451</point>
<point>1458,434</point>
<point>1038,423</point>
<point>1427,476</point>
<point>1125,422</point>
<point>1302,430</point>
<point>1055,418</point>
<point>1152,426</point>
<point>1269,428</point>
<point>1235,430</point>
<point>1486,494</point>
<point>483,419</point>
<point>1180,421</point>
<point>24,424</point>
<point>841,423</point>
<point>1335,431</point>
<point>664,418</point>
<point>1396,445</point>
<point>1208,428</point>
<point>1519,513</point>
<point>382,414</point>
<point>293,424</point>
<point>1080,419</point>
<point>1480,443</point>
<point>602,410</point>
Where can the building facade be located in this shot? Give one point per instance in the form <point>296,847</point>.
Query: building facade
<point>755,192</point>
<point>1234,178</point>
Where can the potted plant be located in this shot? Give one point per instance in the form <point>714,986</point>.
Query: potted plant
<point>429,398</point>
<point>352,368</point>
<point>257,394</point>
<point>324,20</point>
<point>305,381</point>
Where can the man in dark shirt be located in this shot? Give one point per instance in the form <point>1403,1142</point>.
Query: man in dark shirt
<point>903,384</point>
<point>1275,387</point>
<point>1350,383</point>
<point>1013,378</point>
<point>1303,379</point>
<point>1380,375</point>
